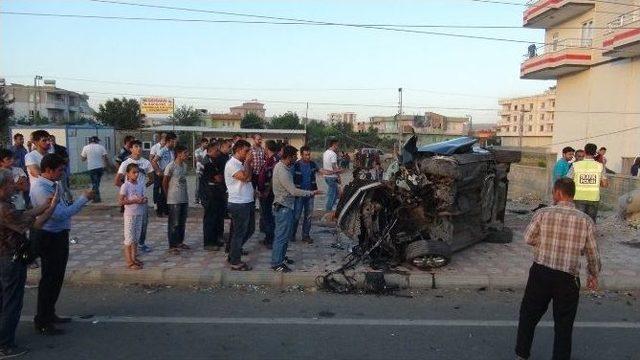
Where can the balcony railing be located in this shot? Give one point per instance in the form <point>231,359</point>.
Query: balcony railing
<point>557,46</point>
<point>623,21</point>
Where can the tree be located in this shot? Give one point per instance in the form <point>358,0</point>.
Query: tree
<point>252,121</point>
<point>5,113</point>
<point>186,116</point>
<point>288,120</point>
<point>120,113</point>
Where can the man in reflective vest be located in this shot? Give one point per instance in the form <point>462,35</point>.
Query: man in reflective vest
<point>588,175</point>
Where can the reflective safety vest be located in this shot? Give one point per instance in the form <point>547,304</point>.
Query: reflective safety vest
<point>587,175</point>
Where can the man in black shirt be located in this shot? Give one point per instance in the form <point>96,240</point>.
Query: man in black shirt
<point>213,195</point>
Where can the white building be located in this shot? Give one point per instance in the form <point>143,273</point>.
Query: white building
<point>48,101</point>
<point>345,117</point>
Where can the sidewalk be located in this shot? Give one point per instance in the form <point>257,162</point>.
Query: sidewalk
<point>96,257</point>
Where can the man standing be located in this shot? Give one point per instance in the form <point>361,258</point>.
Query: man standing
<point>157,181</point>
<point>160,161</point>
<point>559,235</point>
<point>304,177</point>
<point>238,173</point>
<point>331,172</point>
<point>588,175</point>
<point>146,177</point>
<point>41,141</point>
<point>257,153</point>
<point>19,151</point>
<point>601,157</point>
<point>96,157</point>
<point>125,151</point>
<point>199,155</point>
<point>213,194</point>
<point>52,241</point>
<point>285,192</point>
<point>579,155</point>
<point>174,184</point>
<point>265,193</point>
<point>562,166</point>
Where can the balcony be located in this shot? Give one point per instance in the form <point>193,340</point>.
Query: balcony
<point>56,104</point>
<point>623,37</point>
<point>544,14</point>
<point>563,57</point>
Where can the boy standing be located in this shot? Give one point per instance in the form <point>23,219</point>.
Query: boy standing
<point>174,184</point>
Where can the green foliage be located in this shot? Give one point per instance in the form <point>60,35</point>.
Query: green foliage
<point>5,113</point>
<point>120,113</point>
<point>319,132</point>
<point>252,121</point>
<point>187,116</point>
<point>289,120</point>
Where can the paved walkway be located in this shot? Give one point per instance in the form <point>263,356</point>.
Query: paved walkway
<point>96,257</point>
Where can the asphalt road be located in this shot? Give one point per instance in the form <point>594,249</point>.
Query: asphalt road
<point>255,323</point>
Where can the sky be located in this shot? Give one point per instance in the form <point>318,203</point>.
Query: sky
<point>218,65</point>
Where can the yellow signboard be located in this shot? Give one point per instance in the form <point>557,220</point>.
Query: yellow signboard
<point>156,105</point>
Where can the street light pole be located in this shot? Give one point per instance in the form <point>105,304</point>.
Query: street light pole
<point>399,118</point>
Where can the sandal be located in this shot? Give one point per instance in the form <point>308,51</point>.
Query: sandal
<point>241,267</point>
<point>184,247</point>
<point>134,266</point>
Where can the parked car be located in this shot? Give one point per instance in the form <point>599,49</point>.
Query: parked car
<point>438,199</point>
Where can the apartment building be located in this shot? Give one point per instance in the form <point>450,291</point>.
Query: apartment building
<point>345,117</point>
<point>249,107</point>
<point>592,49</point>
<point>527,121</point>
<point>58,105</point>
<point>229,121</point>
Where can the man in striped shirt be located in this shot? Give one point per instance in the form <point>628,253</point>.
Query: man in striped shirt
<point>559,234</point>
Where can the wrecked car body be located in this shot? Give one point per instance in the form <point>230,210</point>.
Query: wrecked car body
<point>436,200</point>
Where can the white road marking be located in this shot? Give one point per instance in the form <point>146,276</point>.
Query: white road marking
<point>335,322</point>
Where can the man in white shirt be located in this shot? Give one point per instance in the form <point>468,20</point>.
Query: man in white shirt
<point>96,157</point>
<point>146,177</point>
<point>237,175</point>
<point>41,142</point>
<point>331,172</point>
<point>199,155</point>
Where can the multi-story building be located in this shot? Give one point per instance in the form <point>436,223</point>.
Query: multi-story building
<point>345,117</point>
<point>430,127</point>
<point>58,105</point>
<point>249,107</point>
<point>229,121</point>
<point>527,121</point>
<point>592,49</point>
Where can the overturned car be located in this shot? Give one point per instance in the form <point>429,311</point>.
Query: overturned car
<point>434,201</point>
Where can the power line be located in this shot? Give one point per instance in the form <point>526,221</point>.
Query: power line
<point>596,136</point>
<point>211,21</point>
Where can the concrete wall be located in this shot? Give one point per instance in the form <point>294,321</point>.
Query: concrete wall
<point>527,141</point>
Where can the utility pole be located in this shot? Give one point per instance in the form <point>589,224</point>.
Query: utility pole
<point>306,121</point>
<point>399,119</point>
<point>36,97</point>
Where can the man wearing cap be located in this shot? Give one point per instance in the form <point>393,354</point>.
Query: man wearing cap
<point>96,157</point>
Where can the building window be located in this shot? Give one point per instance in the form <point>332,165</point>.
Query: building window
<point>553,103</point>
<point>552,116</point>
<point>541,116</point>
<point>530,117</point>
<point>531,106</point>
<point>542,105</point>
<point>550,127</point>
<point>515,107</point>
<point>587,33</point>
<point>541,128</point>
<point>515,128</point>
<point>530,128</point>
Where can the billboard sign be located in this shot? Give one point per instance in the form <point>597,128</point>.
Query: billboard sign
<point>156,105</point>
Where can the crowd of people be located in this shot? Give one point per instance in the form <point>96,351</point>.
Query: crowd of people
<point>36,206</point>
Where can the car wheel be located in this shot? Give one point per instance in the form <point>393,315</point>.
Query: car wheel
<point>503,236</point>
<point>428,254</point>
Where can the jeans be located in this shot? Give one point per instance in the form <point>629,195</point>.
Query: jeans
<point>332,192</point>
<point>12,279</point>
<point>284,226</point>
<point>145,223</point>
<point>53,249</point>
<point>198,177</point>
<point>588,207</point>
<point>96,177</point>
<point>176,223</point>
<point>304,205</point>
<point>243,219</point>
<point>267,221</point>
<point>544,285</point>
<point>213,221</point>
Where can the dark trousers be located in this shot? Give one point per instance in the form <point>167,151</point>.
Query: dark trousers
<point>588,207</point>
<point>159,196</point>
<point>243,219</point>
<point>176,224</point>
<point>213,221</point>
<point>544,285</point>
<point>96,177</point>
<point>267,220</point>
<point>53,249</point>
<point>12,278</point>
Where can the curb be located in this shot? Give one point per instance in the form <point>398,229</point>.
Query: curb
<point>226,277</point>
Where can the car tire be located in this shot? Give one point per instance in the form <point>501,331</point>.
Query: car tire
<point>503,236</point>
<point>428,254</point>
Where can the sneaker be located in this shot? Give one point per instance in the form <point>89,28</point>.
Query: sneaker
<point>144,248</point>
<point>10,352</point>
<point>282,268</point>
<point>288,261</point>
